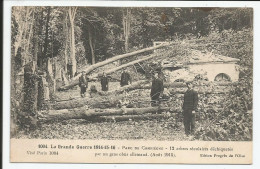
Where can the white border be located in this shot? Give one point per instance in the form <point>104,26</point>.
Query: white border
<point>6,79</point>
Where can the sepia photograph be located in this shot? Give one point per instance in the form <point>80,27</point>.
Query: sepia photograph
<point>132,73</point>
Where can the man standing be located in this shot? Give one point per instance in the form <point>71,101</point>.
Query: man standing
<point>156,89</point>
<point>104,82</point>
<point>125,78</point>
<point>83,84</point>
<point>189,107</point>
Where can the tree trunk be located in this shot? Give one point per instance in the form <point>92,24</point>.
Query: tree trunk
<point>46,37</point>
<point>40,43</point>
<point>72,54</point>
<point>65,31</point>
<point>178,87</point>
<point>30,89</point>
<point>126,27</point>
<point>21,24</point>
<point>85,113</point>
<point>72,13</point>
<point>50,78</point>
<point>27,47</point>
<point>95,102</point>
<point>133,117</point>
<point>133,86</point>
<point>74,81</point>
<point>36,38</point>
<point>93,60</point>
<point>126,65</point>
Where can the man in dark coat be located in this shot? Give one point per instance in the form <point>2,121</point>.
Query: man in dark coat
<point>125,78</point>
<point>83,84</point>
<point>104,82</point>
<point>156,90</point>
<point>189,108</point>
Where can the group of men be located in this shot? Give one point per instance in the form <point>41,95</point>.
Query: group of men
<point>104,80</point>
<point>190,97</point>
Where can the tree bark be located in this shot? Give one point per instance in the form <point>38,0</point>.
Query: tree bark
<point>126,65</point>
<point>85,113</point>
<point>40,43</point>
<point>17,12</point>
<point>95,102</point>
<point>133,86</point>
<point>72,13</point>
<point>27,47</point>
<point>179,87</point>
<point>36,35</point>
<point>133,117</point>
<point>46,35</point>
<point>74,81</point>
<point>30,89</point>
<point>93,60</point>
<point>126,27</point>
<point>65,31</point>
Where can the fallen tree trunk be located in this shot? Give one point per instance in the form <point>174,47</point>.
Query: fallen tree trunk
<point>96,102</point>
<point>85,113</point>
<point>126,65</point>
<point>133,117</point>
<point>181,84</point>
<point>112,98</point>
<point>105,102</point>
<point>144,85</point>
<point>74,81</point>
<point>133,86</point>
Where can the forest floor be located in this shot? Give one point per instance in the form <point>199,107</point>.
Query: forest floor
<point>157,129</point>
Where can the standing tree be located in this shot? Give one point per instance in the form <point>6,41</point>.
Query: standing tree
<point>46,41</point>
<point>65,31</point>
<point>72,12</point>
<point>126,27</point>
<point>91,44</point>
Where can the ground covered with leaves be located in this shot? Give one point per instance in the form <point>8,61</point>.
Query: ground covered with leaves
<point>154,129</point>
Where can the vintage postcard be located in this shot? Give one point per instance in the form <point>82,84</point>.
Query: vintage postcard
<point>131,85</point>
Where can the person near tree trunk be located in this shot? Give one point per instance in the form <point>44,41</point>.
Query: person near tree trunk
<point>104,82</point>
<point>83,84</point>
<point>156,90</point>
<point>189,108</point>
<point>125,78</point>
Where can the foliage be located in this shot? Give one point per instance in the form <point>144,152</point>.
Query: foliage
<point>234,122</point>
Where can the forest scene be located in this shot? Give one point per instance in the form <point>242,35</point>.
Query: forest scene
<point>52,47</point>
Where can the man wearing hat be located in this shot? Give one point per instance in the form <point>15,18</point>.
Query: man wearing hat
<point>156,89</point>
<point>104,82</point>
<point>189,108</point>
<point>83,84</point>
<point>125,78</point>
